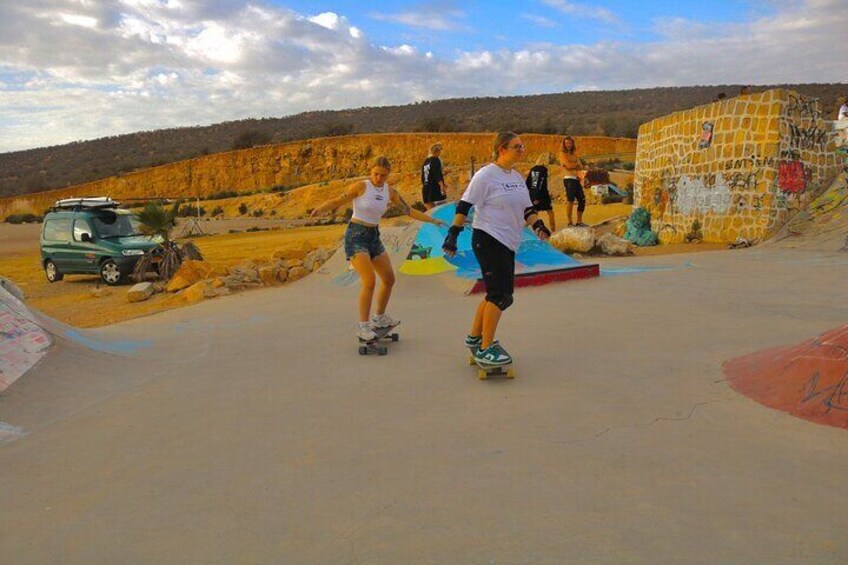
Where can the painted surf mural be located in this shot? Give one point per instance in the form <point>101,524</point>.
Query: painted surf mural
<point>536,262</point>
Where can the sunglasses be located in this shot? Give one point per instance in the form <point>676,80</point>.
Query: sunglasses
<point>517,146</point>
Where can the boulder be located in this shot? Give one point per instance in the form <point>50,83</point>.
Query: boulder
<point>613,245</point>
<point>267,275</point>
<point>140,292</point>
<point>189,273</point>
<point>282,274</point>
<point>296,273</point>
<point>291,263</point>
<point>195,293</point>
<point>573,240</point>
<point>222,291</point>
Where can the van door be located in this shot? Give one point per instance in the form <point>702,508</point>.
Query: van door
<point>83,253</point>
<point>56,237</point>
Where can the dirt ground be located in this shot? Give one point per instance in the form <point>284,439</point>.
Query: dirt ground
<point>82,301</point>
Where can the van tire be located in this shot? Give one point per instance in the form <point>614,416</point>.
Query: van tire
<point>51,271</point>
<point>110,273</point>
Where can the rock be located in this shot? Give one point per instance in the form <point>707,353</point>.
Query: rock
<point>159,286</point>
<point>302,251</point>
<point>267,275</point>
<point>247,273</point>
<point>140,292</point>
<point>291,263</point>
<point>573,240</point>
<point>195,293</point>
<point>296,273</point>
<point>613,245</point>
<point>218,282</point>
<point>282,274</point>
<point>222,291</point>
<point>100,291</point>
<point>309,263</point>
<point>189,273</point>
<point>232,282</point>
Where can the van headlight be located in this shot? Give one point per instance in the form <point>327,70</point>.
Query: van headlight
<point>128,252</point>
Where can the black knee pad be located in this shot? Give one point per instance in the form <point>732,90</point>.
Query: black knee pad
<point>581,204</point>
<point>502,301</point>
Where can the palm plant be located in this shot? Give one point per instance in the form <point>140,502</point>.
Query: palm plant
<point>156,221</point>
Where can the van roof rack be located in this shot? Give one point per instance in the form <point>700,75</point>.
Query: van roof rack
<point>87,203</point>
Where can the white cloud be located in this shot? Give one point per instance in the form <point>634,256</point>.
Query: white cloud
<point>582,10</point>
<point>438,16</point>
<point>540,21</point>
<point>150,64</point>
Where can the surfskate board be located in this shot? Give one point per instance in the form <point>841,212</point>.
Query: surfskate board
<point>373,346</point>
<point>484,372</point>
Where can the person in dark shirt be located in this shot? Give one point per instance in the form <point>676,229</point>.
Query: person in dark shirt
<point>537,184</point>
<point>433,185</point>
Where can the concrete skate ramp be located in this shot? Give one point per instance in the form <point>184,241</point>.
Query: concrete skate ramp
<point>808,380</point>
<point>22,340</point>
<point>536,262</point>
<point>823,225</point>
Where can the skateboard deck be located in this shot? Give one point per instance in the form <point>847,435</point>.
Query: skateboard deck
<point>484,373</point>
<point>373,346</point>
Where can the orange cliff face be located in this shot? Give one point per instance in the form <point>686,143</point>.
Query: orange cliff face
<point>303,163</point>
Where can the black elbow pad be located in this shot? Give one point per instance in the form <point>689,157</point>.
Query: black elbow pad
<point>463,207</point>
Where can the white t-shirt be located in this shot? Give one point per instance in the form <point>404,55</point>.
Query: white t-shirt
<point>371,206</point>
<point>843,111</point>
<point>499,199</point>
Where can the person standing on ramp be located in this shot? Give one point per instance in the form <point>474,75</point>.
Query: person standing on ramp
<point>362,244</point>
<point>433,187</point>
<point>573,189</point>
<point>503,208</point>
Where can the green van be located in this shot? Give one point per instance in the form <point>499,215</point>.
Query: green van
<point>91,236</point>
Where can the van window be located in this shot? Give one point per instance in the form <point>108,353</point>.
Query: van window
<point>57,230</point>
<point>81,227</point>
<point>110,224</point>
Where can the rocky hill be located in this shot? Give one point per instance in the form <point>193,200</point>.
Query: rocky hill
<point>603,113</point>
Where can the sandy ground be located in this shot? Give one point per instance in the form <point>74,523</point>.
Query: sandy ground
<point>82,301</point>
<point>248,430</point>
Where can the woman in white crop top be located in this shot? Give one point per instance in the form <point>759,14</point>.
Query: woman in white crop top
<point>363,248</point>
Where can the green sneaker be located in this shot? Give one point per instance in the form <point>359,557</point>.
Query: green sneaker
<point>473,342</point>
<point>492,356</point>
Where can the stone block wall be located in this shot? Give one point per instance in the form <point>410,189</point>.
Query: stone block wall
<point>741,167</point>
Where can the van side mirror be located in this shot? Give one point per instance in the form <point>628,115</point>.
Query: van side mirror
<point>85,236</point>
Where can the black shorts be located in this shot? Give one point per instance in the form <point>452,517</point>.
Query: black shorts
<point>431,194</point>
<point>497,263</point>
<point>573,190</point>
<point>543,203</point>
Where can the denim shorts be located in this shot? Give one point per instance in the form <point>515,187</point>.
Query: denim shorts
<point>359,238</point>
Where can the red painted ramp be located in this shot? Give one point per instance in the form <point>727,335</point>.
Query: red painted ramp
<point>809,380</point>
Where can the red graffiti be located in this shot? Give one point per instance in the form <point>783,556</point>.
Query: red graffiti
<point>791,177</point>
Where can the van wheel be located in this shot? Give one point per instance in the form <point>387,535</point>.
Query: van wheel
<point>52,272</point>
<point>110,273</point>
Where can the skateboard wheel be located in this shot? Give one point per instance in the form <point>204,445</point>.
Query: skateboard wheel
<point>382,351</point>
<point>510,374</point>
<point>471,360</point>
<point>395,337</point>
<point>363,350</point>
<point>482,374</point>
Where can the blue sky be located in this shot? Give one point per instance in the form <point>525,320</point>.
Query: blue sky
<point>82,69</point>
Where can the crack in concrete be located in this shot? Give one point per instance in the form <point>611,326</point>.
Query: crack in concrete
<point>651,423</point>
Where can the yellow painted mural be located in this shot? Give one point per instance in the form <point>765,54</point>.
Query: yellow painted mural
<point>741,167</point>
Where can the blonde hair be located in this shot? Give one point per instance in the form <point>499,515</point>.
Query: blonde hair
<point>435,147</point>
<point>501,140</point>
<point>381,161</point>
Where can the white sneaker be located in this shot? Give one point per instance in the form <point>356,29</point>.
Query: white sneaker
<point>383,321</point>
<point>365,333</point>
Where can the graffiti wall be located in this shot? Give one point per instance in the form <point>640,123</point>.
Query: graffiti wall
<point>741,167</point>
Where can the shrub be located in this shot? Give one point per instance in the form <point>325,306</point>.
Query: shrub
<point>419,206</point>
<point>22,219</point>
<point>242,208</point>
<point>218,211</point>
<point>258,213</point>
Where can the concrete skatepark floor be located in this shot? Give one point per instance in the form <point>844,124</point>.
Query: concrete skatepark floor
<point>250,430</point>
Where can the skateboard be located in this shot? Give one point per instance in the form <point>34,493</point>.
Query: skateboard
<point>373,346</point>
<point>484,373</point>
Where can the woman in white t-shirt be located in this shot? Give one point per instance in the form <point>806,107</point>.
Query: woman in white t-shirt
<point>362,244</point>
<point>502,209</point>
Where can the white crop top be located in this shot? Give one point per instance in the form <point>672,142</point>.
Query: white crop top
<point>371,206</point>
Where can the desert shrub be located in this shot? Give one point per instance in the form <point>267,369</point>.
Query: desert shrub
<point>242,208</point>
<point>22,218</point>
<point>218,211</point>
<point>258,213</point>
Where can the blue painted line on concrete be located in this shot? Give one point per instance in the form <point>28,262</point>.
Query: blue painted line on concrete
<point>107,346</point>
